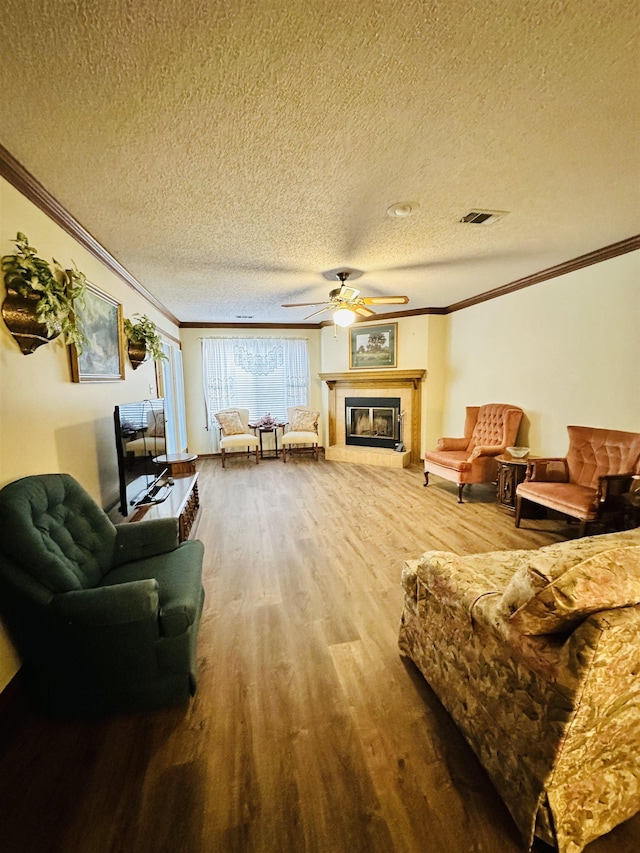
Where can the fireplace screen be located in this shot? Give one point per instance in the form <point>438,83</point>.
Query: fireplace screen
<point>372,421</point>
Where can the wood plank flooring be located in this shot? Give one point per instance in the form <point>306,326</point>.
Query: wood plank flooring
<point>309,733</point>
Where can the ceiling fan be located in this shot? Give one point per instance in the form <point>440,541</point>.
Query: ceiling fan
<point>346,302</point>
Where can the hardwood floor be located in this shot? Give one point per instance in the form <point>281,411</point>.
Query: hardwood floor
<point>308,733</point>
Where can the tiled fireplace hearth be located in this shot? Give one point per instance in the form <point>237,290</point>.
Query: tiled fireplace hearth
<point>365,386</point>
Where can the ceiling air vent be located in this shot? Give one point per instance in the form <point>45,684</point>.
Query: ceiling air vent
<point>483,217</point>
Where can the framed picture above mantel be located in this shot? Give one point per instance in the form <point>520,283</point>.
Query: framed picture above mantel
<point>371,347</point>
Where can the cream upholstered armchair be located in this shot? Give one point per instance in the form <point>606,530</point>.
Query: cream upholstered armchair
<point>152,441</point>
<point>234,432</point>
<point>488,431</point>
<point>301,430</point>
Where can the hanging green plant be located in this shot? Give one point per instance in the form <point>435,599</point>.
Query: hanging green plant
<point>48,294</point>
<point>142,334</point>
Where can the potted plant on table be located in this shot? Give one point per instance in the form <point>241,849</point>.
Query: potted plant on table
<point>39,305</point>
<point>266,421</point>
<point>143,340</point>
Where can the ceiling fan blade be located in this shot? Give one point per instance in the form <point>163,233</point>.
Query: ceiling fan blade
<point>385,300</point>
<point>303,304</point>
<point>363,311</point>
<point>326,308</point>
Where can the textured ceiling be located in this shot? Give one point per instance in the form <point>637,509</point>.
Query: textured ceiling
<point>229,153</point>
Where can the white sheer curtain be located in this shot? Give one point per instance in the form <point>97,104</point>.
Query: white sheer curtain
<point>259,374</point>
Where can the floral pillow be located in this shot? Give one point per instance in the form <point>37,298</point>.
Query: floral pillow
<point>230,423</point>
<point>547,564</point>
<point>304,420</point>
<point>601,582</point>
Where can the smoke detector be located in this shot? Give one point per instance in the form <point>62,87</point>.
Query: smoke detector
<point>483,217</point>
<point>402,209</point>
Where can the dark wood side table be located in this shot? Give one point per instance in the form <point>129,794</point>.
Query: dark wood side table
<point>179,464</point>
<point>183,503</point>
<point>265,429</point>
<point>511,472</point>
<point>631,510</point>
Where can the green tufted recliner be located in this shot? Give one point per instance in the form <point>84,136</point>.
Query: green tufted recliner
<point>104,616</point>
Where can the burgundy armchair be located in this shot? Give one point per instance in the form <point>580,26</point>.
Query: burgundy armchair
<point>488,431</point>
<point>588,483</point>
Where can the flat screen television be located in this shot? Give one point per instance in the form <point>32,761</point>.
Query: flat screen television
<point>140,439</point>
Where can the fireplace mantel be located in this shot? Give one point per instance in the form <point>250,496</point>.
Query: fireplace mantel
<point>373,379</point>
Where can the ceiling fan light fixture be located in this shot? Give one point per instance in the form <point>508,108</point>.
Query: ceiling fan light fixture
<point>345,302</point>
<point>344,317</point>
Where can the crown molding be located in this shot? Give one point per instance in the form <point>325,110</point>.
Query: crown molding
<point>250,325</point>
<point>15,173</point>
<point>631,244</point>
<point>31,188</point>
<point>391,315</point>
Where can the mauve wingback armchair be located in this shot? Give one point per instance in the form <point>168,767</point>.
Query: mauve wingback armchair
<point>588,483</point>
<point>105,617</point>
<point>488,431</point>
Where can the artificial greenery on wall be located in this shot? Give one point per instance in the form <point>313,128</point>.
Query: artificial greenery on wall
<point>144,333</point>
<point>45,291</point>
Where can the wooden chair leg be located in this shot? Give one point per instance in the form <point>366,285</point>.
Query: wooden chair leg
<point>460,488</point>
<point>222,452</point>
<point>582,530</point>
<point>426,478</point>
<point>256,455</point>
<point>518,510</point>
<point>284,452</point>
<point>315,452</point>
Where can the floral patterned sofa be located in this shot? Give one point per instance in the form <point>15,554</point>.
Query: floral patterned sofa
<point>536,655</point>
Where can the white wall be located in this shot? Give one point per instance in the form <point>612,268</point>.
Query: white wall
<point>421,345</point>
<point>200,439</point>
<point>48,423</point>
<point>566,350</point>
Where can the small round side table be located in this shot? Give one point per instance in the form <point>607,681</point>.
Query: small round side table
<point>273,428</point>
<point>179,464</point>
<point>631,510</point>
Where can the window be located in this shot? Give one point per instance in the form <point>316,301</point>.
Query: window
<point>259,374</point>
<point>171,383</point>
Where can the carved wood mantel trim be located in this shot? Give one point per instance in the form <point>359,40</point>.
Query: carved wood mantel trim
<point>382,378</point>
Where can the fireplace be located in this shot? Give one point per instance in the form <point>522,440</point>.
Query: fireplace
<point>372,421</point>
<point>403,384</point>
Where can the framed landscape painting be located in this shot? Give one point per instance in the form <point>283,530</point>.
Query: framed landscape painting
<point>373,346</point>
<point>102,357</point>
